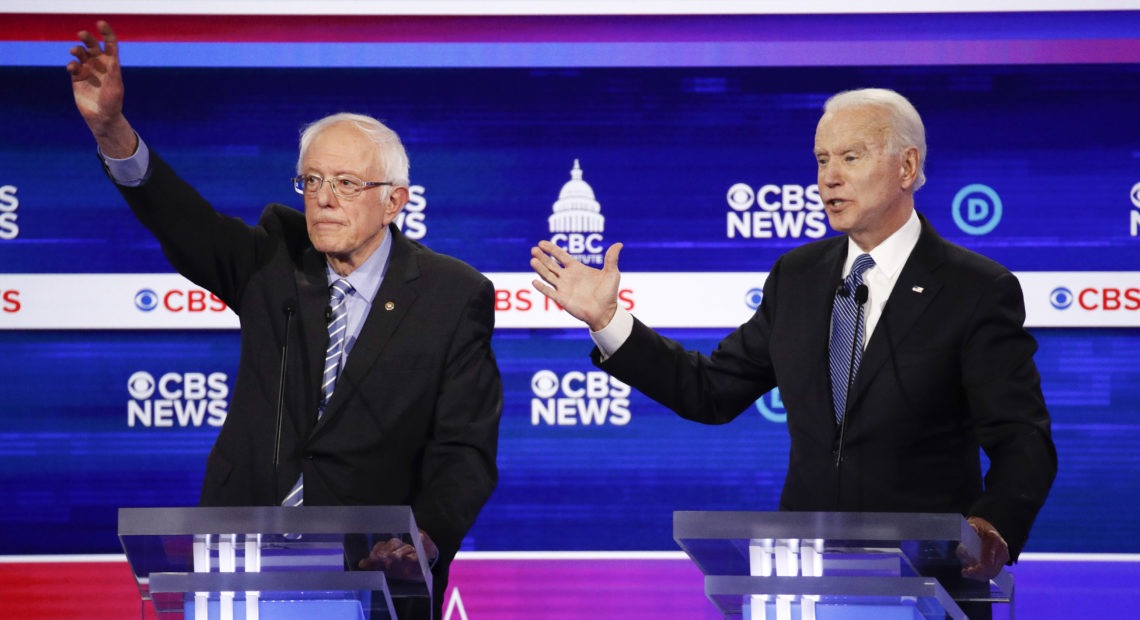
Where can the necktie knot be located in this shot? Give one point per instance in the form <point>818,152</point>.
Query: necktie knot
<point>862,263</point>
<point>340,289</point>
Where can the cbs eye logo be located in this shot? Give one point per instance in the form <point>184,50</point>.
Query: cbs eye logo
<point>146,300</point>
<point>141,385</point>
<point>741,197</point>
<point>544,384</point>
<point>753,298</point>
<point>1061,298</point>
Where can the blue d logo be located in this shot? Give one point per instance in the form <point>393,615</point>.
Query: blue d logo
<point>771,406</point>
<point>976,209</point>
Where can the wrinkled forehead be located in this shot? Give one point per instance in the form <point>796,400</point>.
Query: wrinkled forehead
<point>865,125</point>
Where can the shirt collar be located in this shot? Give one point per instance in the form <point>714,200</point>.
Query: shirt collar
<point>366,278</point>
<point>891,254</point>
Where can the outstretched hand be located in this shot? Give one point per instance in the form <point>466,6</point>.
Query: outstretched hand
<point>97,84</point>
<point>588,294</point>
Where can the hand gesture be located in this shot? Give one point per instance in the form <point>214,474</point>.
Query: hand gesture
<point>588,294</point>
<point>97,84</point>
<point>995,552</point>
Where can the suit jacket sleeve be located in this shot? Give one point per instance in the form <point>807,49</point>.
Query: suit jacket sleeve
<point>459,470</point>
<point>1003,390</point>
<point>214,251</point>
<point>712,389</point>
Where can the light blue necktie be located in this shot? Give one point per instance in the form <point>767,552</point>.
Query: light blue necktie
<point>847,334</point>
<point>338,333</point>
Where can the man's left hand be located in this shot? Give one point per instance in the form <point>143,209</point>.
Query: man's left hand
<point>995,552</point>
<point>398,559</point>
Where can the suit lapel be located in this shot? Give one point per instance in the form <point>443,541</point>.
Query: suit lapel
<point>915,289</point>
<point>392,302</point>
<point>817,310</point>
<point>313,293</point>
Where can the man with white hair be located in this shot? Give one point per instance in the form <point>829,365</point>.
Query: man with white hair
<point>897,354</point>
<point>366,374</point>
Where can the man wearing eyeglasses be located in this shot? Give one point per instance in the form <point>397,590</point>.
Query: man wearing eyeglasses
<point>366,374</point>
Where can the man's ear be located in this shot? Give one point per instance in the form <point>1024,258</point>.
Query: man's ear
<point>909,167</point>
<point>397,198</point>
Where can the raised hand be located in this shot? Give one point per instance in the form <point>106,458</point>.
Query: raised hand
<point>97,83</point>
<point>588,294</point>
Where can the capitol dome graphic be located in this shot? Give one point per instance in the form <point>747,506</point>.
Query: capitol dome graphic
<point>576,210</point>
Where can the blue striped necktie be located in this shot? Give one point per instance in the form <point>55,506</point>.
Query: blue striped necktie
<point>847,335</point>
<point>338,333</point>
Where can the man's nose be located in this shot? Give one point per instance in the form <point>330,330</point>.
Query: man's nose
<point>829,175</point>
<point>325,195</point>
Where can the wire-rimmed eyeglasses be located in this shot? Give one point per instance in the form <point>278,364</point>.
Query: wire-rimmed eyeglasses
<point>343,185</point>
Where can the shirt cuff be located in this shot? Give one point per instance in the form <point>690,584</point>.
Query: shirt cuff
<point>610,338</point>
<point>130,171</point>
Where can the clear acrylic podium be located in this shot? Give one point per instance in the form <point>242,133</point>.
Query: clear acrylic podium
<point>835,565</point>
<point>267,562</point>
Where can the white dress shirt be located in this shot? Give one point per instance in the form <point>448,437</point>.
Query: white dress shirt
<point>889,257</point>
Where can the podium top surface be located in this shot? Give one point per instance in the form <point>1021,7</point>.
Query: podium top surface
<point>265,520</point>
<point>259,543</point>
<point>860,526</point>
<point>726,543</point>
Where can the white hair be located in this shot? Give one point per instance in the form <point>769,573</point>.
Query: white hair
<point>390,151</point>
<point>904,127</point>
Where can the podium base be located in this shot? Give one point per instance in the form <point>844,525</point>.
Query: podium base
<point>796,611</point>
<point>278,610</point>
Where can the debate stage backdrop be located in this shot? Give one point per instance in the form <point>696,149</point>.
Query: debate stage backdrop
<point>688,141</point>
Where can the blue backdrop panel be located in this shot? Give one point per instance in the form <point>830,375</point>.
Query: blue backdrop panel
<point>71,457</point>
<point>1057,145</point>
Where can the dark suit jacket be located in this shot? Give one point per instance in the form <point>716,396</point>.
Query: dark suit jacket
<point>415,416</point>
<point>949,367</point>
